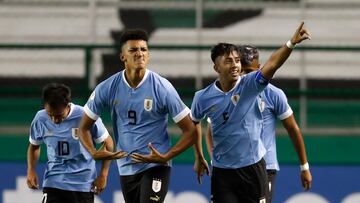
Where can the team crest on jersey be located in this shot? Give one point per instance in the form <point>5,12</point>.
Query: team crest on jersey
<point>261,105</point>
<point>148,103</point>
<point>92,96</point>
<point>235,98</point>
<point>156,185</point>
<point>74,133</point>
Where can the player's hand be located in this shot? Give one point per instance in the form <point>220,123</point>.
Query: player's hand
<point>32,180</point>
<point>104,154</point>
<point>154,156</point>
<point>99,184</point>
<point>306,179</point>
<point>200,167</point>
<point>301,34</point>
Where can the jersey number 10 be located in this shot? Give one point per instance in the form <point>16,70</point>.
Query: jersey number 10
<point>63,147</point>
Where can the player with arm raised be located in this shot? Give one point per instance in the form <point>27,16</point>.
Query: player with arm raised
<point>232,103</point>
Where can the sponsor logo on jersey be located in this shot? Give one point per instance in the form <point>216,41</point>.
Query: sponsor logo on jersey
<point>148,103</point>
<point>156,185</point>
<point>235,98</point>
<point>74,133</point>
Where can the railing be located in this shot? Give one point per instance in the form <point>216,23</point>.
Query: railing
<point>347,98</point>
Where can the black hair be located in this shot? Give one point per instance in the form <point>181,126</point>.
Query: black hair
<point>221,49</point>
<point>56,95</point>
<point>248,54</point>
<point>133,34</point>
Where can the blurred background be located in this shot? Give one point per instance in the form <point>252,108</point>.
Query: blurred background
<point>75,42</point>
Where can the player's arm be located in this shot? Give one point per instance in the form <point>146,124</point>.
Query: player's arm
<point>101,180</point>
<point>200,165</point>
<point>33,155</point>
<point>278,57</point>
<point>104,153</point>
<point>296,137</point>
<point>187,139</point>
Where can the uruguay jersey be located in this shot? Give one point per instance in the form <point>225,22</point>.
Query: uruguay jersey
<point>70,166</point>
<point>139,115</point>
<point>276,106</point>
<point>236,120</point>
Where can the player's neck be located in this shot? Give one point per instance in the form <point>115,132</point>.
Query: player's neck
<point>134,76</point>
<point>226,86</point>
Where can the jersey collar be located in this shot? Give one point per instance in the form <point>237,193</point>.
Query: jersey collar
<point>217,88</point>
<point>72,106</point>
<point>142,81</point>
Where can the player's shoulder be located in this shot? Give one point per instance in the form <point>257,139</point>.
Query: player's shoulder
<point>161,83</point>
<point>157,78</point>
<point>205,91</point>
<point>115,78</point>
<point>273,89</point>
<point>76,110</point>
<point>41,116</point>
<point>273,93</point>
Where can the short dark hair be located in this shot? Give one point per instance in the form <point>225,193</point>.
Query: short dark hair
<point>133,34</point>
<point>248,54</point>
<point>221,49</point>
<point>56,95</point>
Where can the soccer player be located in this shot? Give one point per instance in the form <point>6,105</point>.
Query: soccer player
<point>232,103</point>
<point>140,102</point>
<point>276,106</point>
<point>70,174</point>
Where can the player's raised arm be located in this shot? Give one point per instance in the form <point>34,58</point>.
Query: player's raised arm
<point>278,57</point>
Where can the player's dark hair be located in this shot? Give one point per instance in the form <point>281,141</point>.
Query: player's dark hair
<point>56,95</point>
<point>248,54</point>
<point>221,49</point>
<point>133,34</point>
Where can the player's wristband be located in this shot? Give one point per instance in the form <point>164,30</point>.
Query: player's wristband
<point>290,45</point>
<point>304,167</point>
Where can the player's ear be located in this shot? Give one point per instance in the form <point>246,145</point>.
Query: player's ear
<point>216,68</point>
<point>122,57</point>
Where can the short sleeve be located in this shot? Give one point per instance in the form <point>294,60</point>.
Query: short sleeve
<point>97,101</point>
<point>175,105</point>
<point>196,111</point>
<point>282,108</point>
<point>36,132</point>
<point>99,132</point>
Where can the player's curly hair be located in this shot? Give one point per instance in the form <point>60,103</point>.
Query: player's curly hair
<point>221,49</point>
<point>56,95</point>
<point>133,34</point>
<point>248,54</point>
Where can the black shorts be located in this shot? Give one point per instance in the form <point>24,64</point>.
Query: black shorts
<point>271,173</point>
<point>149,186</point>
<point>54,195</point>
<point>247,184</point>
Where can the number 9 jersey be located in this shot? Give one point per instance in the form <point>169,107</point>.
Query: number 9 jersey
<point>139,115</point>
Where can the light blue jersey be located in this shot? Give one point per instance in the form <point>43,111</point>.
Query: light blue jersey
<point>70,166</point>
<point>139,115</point>
<point>276,106</point>
<point>236,120</point>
